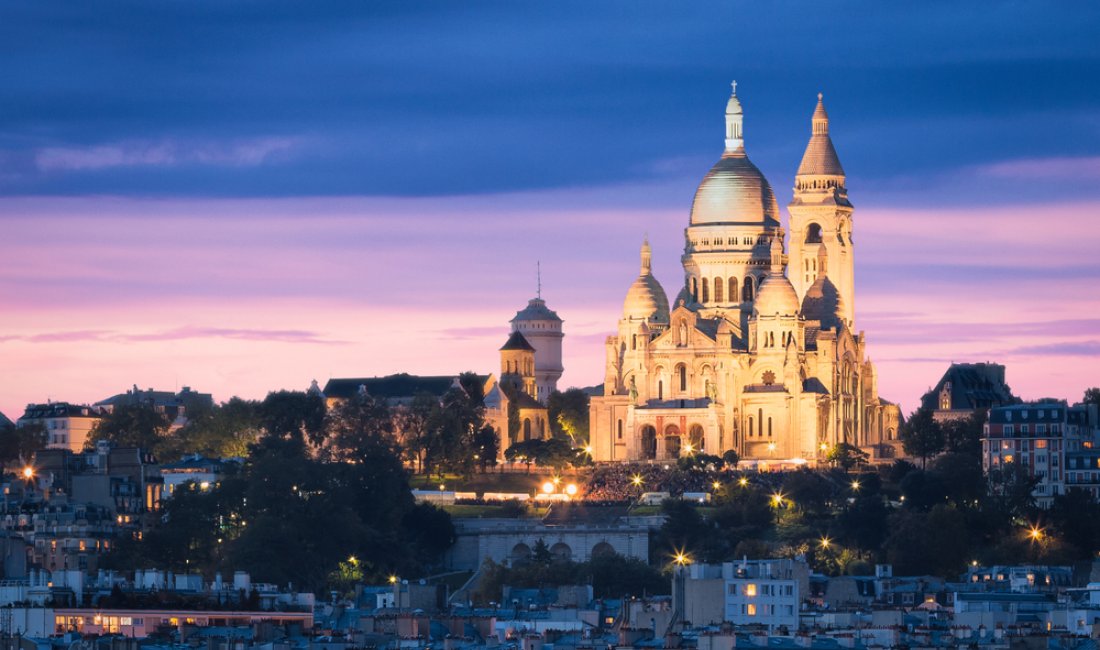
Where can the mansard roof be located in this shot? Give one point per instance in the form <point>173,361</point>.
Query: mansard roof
<point>973,386</point>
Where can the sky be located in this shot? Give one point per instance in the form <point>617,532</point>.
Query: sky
<point>244,197</point>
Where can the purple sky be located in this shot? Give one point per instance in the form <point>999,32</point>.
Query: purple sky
<point>245,197</point>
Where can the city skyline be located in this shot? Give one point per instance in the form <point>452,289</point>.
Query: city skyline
<point>376,198</point>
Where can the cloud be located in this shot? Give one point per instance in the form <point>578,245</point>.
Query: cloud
<point>467,333</point>
<point>1085,167</point>
<point>176,334</point>
<point>1063,349</point>
<point>164,153</point>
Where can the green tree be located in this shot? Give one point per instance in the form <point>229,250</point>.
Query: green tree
<point>847,456</point>
<point>131,425</point>
<point>293,416</point>
<point>964,435</point>
<point>20,444</point>
<point>1092,396</point>
<point>568,413</point>
<point>411,424</point>
<point>921,436</point>
<point>961,476</point>
<point>226,430</point>
<point>934,543</point>
<point>1075,518</point>
<point>1011,489</point>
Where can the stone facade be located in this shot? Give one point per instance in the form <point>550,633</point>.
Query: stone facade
<point>759,352</point>
<point>512,540</point>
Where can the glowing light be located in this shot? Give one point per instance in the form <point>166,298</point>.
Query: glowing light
<point>1035,533</point>
<point>771,446</point>
<point>636,480</point>
<point>556,480</point>
<point>825,542</point>
<point>588,449</point>
<point>743,481</point>
<point>441,486</point>
<point>28,472</point>
<point>688,448</point>
<point>855,485</point>
<point>681,558</point>
<point>205,485</point>
<point>571,489</point>
<point>824,446</point>
<point>393,580</point>
<point>716,485</point>
<point>777,499</point>
<point>548,487</point>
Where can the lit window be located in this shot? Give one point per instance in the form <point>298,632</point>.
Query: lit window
<point>751,610</point>
<point>750,590</point>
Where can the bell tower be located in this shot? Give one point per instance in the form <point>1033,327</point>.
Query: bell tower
<point>821,218</point>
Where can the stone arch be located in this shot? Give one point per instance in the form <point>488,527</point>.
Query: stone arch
<point>696,437</point>
<point>520,553</point>
<point>747,291</point>
<point>649,442</point>
<point>602,549</point>
<point>526,428</point>
<point>561,551</point>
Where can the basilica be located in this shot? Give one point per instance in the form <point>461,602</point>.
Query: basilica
<point>759,352</point>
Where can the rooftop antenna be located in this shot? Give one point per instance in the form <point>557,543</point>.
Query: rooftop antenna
<point>538,272</point>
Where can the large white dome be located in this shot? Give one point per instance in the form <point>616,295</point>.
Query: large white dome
<point>734,191</point>
<point>776,296</point>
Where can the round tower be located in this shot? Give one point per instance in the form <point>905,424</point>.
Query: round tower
<point>542,328</point>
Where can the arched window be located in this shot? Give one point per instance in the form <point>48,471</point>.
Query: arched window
<point>681,373</point>
<point>634,342</point>
<point>760,419</point>
<point>746,291</point>
<point>718,286</point>
<point>526,428</point>
<point>813,234</point>
<point>706,291</point>
<point>660,389</point>
<point>620,431</point>
<point>769,426</point>
<point>733,290</point>
<point>695,290</point>
<point>751,431</point>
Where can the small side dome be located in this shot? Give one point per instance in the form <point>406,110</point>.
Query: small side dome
<point>776,296</point>
<point>823,303</point>
<point>646,298</point>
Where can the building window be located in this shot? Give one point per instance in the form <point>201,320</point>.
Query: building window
<point>750,609</point>
<point>751,431</point>
<point>681,371</point>
<point>733,290</point>
<point>620,431</point>
<point>706,291</point>
<point>746,291</point>
<point>750,589</point>
<point>769,426</point>
<point>718,284</point>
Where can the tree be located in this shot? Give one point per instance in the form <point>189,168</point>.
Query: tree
<point>964,435</point>
<point>486,447</point>
<point>411,425</point>
<point>293,416</point>
<point>847,456</point>
<point>921,436</point>
<point>962,477</point>
<point>1092,396</point>
<point>20,444</point>
<point>568,413</point>
<point>1011,489</point>
<point>226,430</point>
<point>935,542</point>
<point>730,457</point>
<point>451,431</point>
<point>131,425</point>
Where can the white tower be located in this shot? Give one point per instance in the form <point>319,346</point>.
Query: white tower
<point>821,217</point>
<point>542,329</point>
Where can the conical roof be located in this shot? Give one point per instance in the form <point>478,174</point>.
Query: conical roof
<point>820,158</point>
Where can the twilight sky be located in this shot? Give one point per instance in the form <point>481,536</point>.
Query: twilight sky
<point>245,196</point>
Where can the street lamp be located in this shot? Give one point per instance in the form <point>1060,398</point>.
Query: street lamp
<point>28,472</point>
<point>688,448</point>
<point>681,558</point>
<point>636,480</point>
<point>716,485</point>
<point>1035,533</point>
<point>548,487</point>
<point>855,485</point>
<point>393,579</point>
<point>825,542</point>
<point>777,499</point>
<point>571,489</point>
<point>743,481</point>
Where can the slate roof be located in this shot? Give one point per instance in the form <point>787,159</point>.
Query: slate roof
<point>4,421</point>
<point>393,386</point>
<point>973,386</point>
<point>517,341</point>
<point>59,410</point>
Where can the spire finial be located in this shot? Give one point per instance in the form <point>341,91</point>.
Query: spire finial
<point>733,85</point>
<point>647,255</point>
<point>538,274</point>
<point>820,96</point>
<point>734,120</point>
